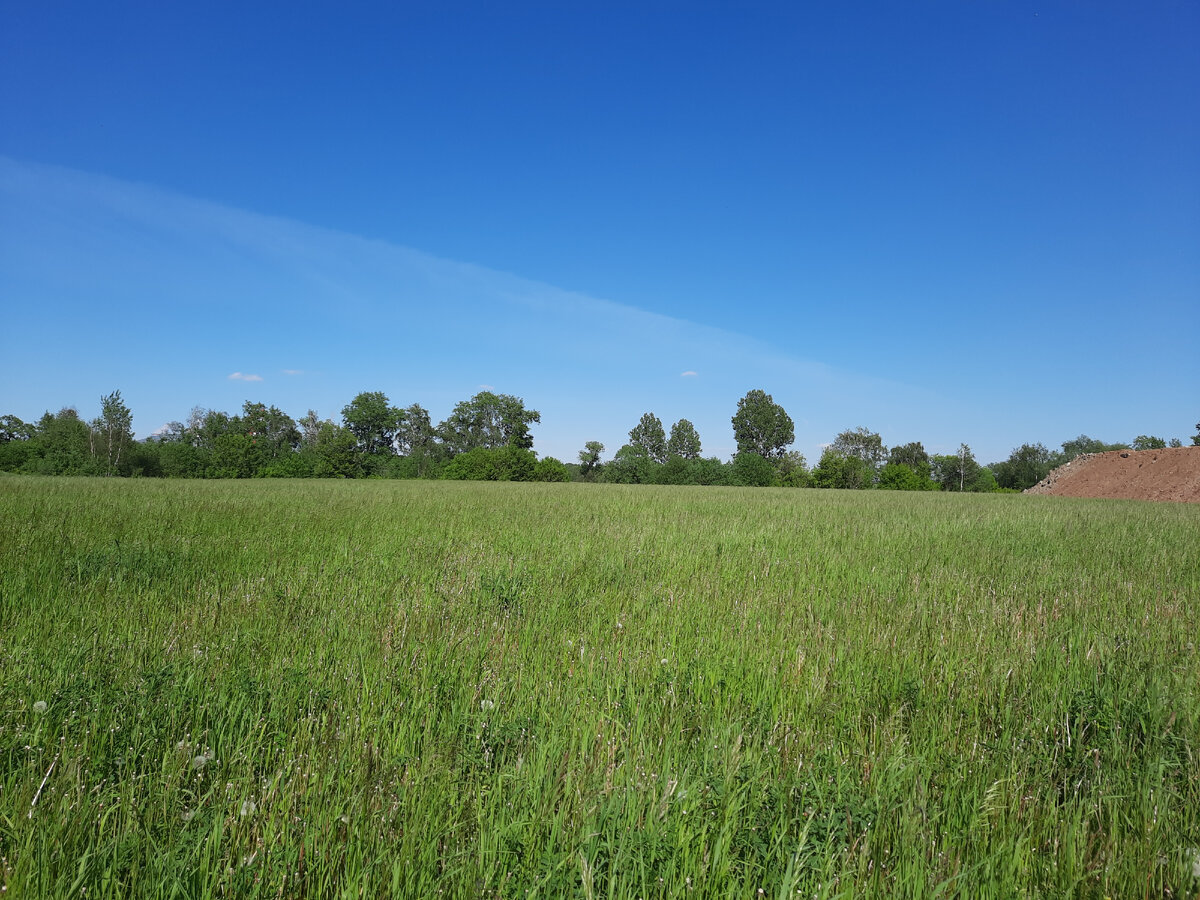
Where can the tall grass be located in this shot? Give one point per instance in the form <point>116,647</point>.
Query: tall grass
<point>417,689</point>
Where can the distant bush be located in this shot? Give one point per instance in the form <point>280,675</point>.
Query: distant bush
<point>484,464</point>
<point>551,469</point>
<point>752,470</point>
<point>901,477</point>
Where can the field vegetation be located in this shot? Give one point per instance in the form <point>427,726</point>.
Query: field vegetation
<point>289,688</point>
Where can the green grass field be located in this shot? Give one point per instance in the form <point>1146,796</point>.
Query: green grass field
<point>369,689</point>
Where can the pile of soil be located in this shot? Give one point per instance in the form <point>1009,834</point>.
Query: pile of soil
<point>1172,474</point>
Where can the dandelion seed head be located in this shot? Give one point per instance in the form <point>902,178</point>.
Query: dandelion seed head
<point>40,706</point>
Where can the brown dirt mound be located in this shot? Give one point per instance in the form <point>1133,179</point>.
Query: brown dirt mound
<point>1172,474</point>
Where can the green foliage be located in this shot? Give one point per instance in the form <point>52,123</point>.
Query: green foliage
<point>839,470</point>
<point>490,421</point>
<point>589,458</point>
<point>112,435</point>
<point>684,440</point>
<point>17,455</point>
<point>492,464</point>
<point>761,426</point>
<point>681,471</point>
<point>1148,442</point>
<point>753,470</point>
<point>649,436</point>
<point>336,453</point>
<point>289,465</point>
<point>13,429</point>
<point>901,477</point>
<point>233,456</point>
<point>1081,445</point>
<point>631,465</point>
<point>1196,436</point>
<point>914,456</point>
<point>373,421</point>
<point>63,445</point>
<point>862,444</point>
<point>792,469</point>
<point>272,431</point>
<point>415,434</point>
<point>1025,467</point>
<point>550,469</point>
<point>179,459</point>
<point>960,472</point>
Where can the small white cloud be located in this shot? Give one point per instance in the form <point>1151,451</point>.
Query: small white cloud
<point>239,376</point>
<point>689,374</point>
<point>293,371</point>
<point>486,387</point>
<point>161,429</point>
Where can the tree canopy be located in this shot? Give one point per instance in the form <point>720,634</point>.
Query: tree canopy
<point>649,436</point>
<point>761,426</point>
<point>490,421</point>
<point>684,440</point>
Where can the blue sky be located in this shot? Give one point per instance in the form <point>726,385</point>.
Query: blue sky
<point>948,222</point>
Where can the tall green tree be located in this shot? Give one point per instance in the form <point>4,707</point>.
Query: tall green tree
<point>489,420</point>
<point>648,434</point>
<point>589,458</point>
<point>761,426</point>
<point>912,455</point>
<point>112,433</point>
<point>64,445</point>
<point>13,429</point>
<point>961,472</point>
<point>631,465</point>
<point>337,453</point>
<point>864,444</point>
<point>844,471</point>
<point>16,444</point>
<point>416,434</point>
<point>373,421</point>
<point>684,440</point>
<point>270,429</point>
<point>1025,467</point>
<point>793,469</point>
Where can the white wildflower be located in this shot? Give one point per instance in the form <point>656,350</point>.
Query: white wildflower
<point>40,707</point>
<point>485,705</point>
<point>249,808</point>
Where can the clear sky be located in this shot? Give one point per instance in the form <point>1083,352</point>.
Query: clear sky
<point>948,221</point>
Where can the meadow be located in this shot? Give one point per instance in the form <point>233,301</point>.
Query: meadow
<point>421,689</point>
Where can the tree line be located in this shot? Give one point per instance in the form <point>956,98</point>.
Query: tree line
<point>489,438</point>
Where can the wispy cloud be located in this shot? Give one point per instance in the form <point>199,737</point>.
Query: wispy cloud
<point>388,317</point>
